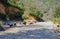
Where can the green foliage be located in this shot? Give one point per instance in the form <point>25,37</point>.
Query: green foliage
<point>19,15</point>
<point>25,16</point>
<point>57,12</point>
<point>16,3</point>
<point>2,16</point>
<point>5,1</point>
<point>36,13</point>
<point>35,7</point>
<point>56,20</point>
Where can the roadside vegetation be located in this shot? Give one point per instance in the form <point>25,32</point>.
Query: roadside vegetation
<point>56,14</point>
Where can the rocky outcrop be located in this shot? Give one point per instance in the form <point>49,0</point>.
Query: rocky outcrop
<point>11,10</point>
<point>30,19</point>
<point>7,9</point>
<point>2,8</point>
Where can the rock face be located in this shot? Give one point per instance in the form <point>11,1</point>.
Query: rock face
<point>11,10</point>
<point>30,19</point>
<point>2,8</point>
<point>7,9</point>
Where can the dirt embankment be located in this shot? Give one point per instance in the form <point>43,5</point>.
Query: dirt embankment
<point>7,9</point>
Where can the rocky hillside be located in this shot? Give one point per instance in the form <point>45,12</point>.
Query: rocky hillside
<point>30,7</point>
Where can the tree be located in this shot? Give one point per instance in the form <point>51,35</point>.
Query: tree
<point>57,12</point>
<point>16,3</point>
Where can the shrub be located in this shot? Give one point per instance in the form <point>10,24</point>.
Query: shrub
<point>2,16</point>
<point>17,15</point>
<point>56,14</point>
<point>36,13</point>
<point>56,20</point>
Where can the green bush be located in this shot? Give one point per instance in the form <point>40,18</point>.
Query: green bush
<point>56,14</point>
<point>16,3</point>
<point>2,16</point>
<point>19,15</point>
<point>25,16</point>
<point>56,20</point>
<point>36,13</point>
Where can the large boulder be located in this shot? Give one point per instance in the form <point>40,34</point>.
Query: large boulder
<point>30,19</point>
<point>11,10</point>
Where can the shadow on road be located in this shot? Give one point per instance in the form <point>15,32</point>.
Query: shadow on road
<point>30,34</point>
